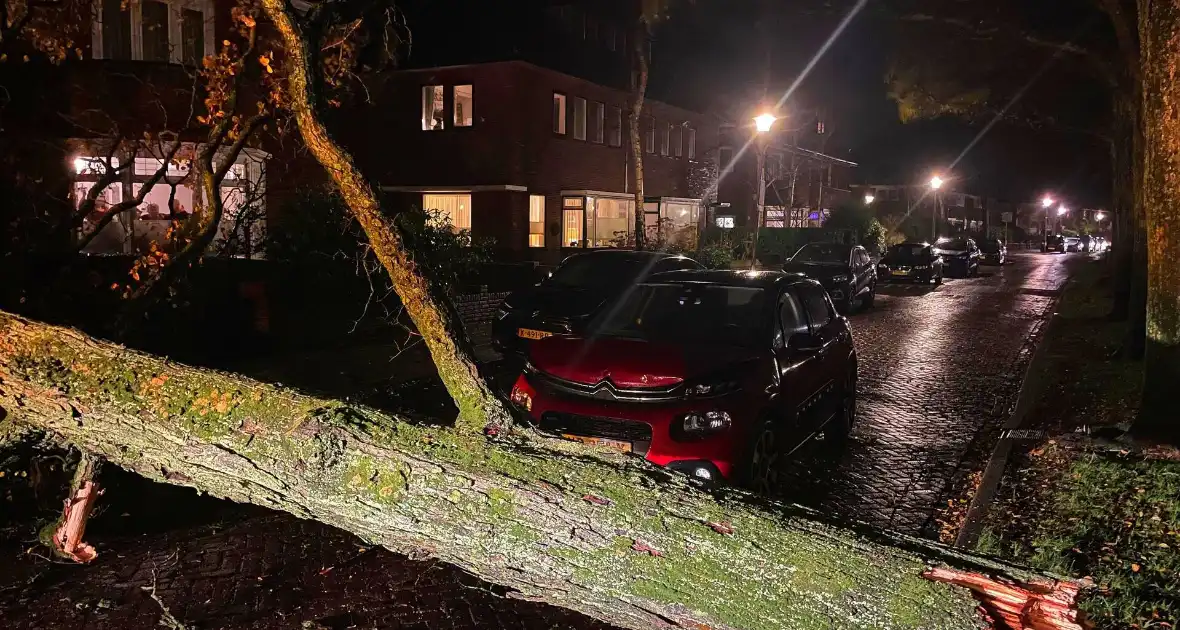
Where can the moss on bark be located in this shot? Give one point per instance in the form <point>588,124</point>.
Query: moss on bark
<point>605,534</point>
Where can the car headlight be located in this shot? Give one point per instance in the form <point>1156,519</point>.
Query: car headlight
<point>697,425</point>
<point>840,278</point>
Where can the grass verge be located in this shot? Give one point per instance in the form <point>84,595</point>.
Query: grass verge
<point>1080,505</point>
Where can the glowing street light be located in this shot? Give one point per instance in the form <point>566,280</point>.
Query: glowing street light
<point>1047,201</point>
<point>1062,211</point>
<point>764,122</point>
<point>869,199</point>
<point>936,182</point>
<point>1099,216</point>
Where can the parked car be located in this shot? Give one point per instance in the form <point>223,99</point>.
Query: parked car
<point>913,262</point>
<point>846,271</point>
<point>992,251</point>
<point>718,374</point>
<point>1073,244</point>
<point>960,256</point>
<point>565,301</point>
<point>1054,243</point>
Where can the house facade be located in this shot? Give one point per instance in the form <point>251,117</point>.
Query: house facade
<point>535,159</point>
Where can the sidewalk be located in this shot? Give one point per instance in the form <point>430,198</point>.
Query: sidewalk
<point>1074,503</point>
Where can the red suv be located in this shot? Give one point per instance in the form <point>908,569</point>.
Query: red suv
<point>714,373</point>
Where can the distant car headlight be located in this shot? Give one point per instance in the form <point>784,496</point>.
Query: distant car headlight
<point>921,267</point>
<point>840,278</point>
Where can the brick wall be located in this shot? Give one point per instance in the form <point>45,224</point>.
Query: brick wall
<point>477,310</point>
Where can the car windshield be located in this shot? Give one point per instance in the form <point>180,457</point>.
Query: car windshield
<point>685,313</point>
<point>907,251</point>
<point>951,244</point>
<point>595,273</point>
<point>822,253</point>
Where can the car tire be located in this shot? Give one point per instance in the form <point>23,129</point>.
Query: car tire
<point>870,297</point>
<point>938,279</point>
<point>838,429</point>
<point>763,461</point>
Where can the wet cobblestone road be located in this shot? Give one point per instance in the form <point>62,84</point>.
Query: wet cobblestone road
<point>939,371</point>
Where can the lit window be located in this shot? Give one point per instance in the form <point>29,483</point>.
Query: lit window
<point>464,106</point>
<point>597,122</point>
<point>615,128</point>
<point>571,221</point>
<point>692,143</point>
<point>559,113</point>
<point>93,165</point>
<point>649,132</point>
<point>612,219</point>
<point>432,108</point>
<point>579,118</point>
<point>536,220</point>
<point>454,210</point>
<point>665,138</point>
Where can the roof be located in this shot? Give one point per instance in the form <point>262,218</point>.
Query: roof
<point>733,278</point>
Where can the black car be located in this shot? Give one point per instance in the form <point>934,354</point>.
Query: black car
<point>846,272</point>
<point>1054,243</point>
<point>992,251</point>
<point>565,301</point>
<point>913,262</point>
<point>960,256</point>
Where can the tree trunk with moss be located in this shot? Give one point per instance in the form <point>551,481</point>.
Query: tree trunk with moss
<point>1159,34</point>
<point>604,534</point>
<point>433,314</point>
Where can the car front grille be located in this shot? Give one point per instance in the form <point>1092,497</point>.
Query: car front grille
<point>605,390</point>
<point>595,426</point>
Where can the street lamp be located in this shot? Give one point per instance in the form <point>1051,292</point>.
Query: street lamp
<point>1062,211</point>
<point>1099,216</point>
<point>1047,201</point>
<point>869,199</point>
<point>935,184</point>
<point>762,125</point>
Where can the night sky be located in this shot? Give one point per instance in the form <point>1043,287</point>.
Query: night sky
<point>712,55</point>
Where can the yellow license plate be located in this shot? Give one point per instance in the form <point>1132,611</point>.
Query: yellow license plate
<point>615,444</point>
<point>901,273</point>
<point>528,333</point>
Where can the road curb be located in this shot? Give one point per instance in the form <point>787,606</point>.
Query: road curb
<point>1011,432</point>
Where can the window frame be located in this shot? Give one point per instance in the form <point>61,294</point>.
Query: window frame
<point>561,120</point>
<point>579,132</point>
<point>441,89</point>
<point>539,243</point>
<point>597,115</point>
<point>451,219</point>
<point>176,9</point>
<point>665,139</point>
<point>616,133</point>
<point>692,143</point>
<point>649,134</point>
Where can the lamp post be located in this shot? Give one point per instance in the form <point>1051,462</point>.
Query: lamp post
<point>762,126</point>
<point>1046,203</point>
<point>935,184</point>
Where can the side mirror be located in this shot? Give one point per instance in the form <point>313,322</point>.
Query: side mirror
<point>804,342</point>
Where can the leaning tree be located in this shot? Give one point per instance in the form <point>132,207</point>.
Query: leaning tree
<point>605,534</point>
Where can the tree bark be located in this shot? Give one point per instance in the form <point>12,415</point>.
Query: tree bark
<point>1159,36</point>
<point>639,52</point>
<point>604,534</point>
<point>433,314</point>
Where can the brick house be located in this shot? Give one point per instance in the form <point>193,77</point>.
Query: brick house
<point>534,158</point>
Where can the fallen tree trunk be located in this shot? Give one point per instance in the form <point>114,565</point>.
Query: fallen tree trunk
<point>604,534</point>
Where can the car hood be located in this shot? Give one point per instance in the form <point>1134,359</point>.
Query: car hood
<point>950,252</point>
<point>823,272</point>
<point>560,302</point>
<point>631,363</point>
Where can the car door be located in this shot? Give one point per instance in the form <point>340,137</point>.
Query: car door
<point>821,321</point>
<point>797,381</point>
<point>864,270</point>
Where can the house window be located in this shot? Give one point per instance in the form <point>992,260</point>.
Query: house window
<point>665,138</point>
<point>610,220</point>
<point>692,143</point>
<point>559,113</point>
<point>154,30</point>
<point>615,126</point>
<point>579,118</point>
<point>536,220</point>
<point>649,134</point>
<point>192,36</point>
<point>597,122</point>
<point>678,141</point>
<point>454,209</point>
<point>432,108</point>
<point>572,220</point>
<point>115,30</point>
<point>464,105</point>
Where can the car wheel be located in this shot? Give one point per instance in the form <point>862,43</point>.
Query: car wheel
<point>869,298</point>
<point>837,430</point>
<point>938,279</point>
<point>765,459</point>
